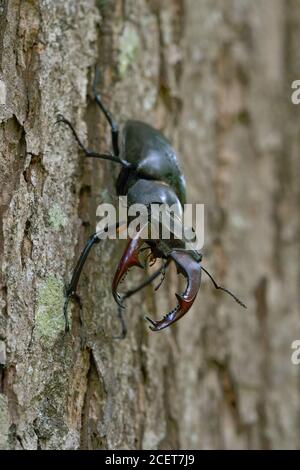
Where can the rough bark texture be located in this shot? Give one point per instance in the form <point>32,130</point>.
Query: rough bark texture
<point>215,76</point>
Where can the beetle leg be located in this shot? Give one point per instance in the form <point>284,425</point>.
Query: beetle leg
<point>133,291</point>
<point>113,125</point>
<point>90,153</point>
<point>191,269</point>
<point>163,275</point>
<point>123,333</point>
<point>70,290</point>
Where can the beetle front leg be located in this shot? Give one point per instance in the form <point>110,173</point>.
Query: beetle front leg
<point>133,291</point>
<point>70,291</point>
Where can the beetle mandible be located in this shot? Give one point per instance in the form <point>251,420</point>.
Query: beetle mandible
<point>150,173</point>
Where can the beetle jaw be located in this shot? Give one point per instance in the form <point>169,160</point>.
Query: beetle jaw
<point>129,259</point>
<point>186,264</point>
<point>181,309</point>
<point>191,269</point>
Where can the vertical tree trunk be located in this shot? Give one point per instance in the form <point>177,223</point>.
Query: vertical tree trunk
<point>215,76</point>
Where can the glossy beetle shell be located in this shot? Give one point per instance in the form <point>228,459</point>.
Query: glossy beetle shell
<point>154,159</point>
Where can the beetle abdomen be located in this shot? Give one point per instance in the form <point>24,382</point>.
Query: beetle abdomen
<point>153,157</point>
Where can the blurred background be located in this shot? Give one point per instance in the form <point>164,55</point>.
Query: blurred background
<point>215,77</point>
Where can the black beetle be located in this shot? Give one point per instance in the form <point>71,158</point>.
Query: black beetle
<point>150,174</point>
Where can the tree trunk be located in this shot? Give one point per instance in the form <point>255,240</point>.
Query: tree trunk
<point>215,77</point>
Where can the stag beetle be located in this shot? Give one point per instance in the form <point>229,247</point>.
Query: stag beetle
<point>150,173</point>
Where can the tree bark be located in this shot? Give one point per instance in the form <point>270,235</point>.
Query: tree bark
<point>215,77</point>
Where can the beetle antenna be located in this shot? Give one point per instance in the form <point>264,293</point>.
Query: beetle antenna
<point>223,288</point>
